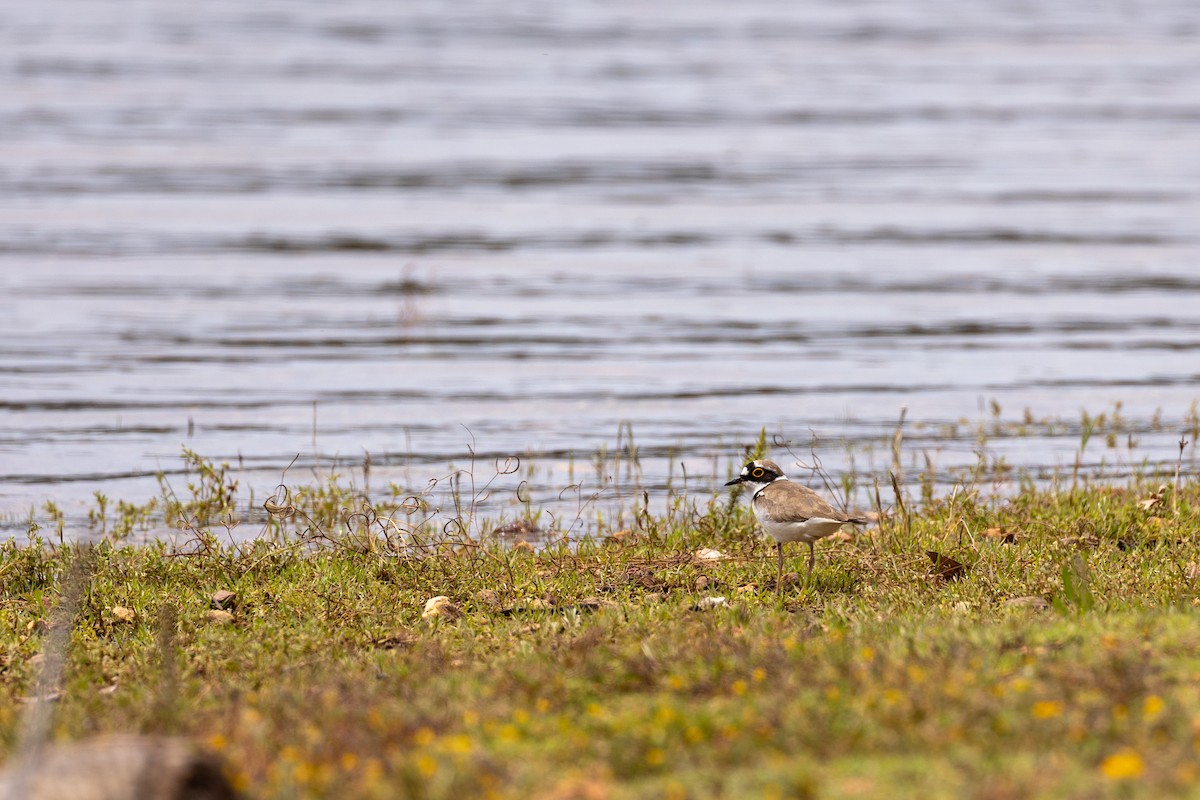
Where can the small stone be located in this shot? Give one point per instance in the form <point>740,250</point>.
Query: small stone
<point>702,583</point>
<point>708,554</point>
<point>706,603</point>
<point>219,617</point>
<point>224,599</point>
<point>1033,601</point>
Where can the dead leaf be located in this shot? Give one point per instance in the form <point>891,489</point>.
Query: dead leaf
<point>396,640</point>
<point>945,567</point>
<point>522,547</point>
<point>488,598</point>
<point>219,617</point>
<point>48,697</point>
<point>1082,542</point>
<point>594,604</point>
<point>440,607</point>
<point>621,537</point>
<point>1155,498</point>
<point>644,578</point>
<point>224,599</point>
<point>1001,534</point>
<point>789,579</point>
<point>708,554</point>
<point>123,614</point>
<point>519,527</point>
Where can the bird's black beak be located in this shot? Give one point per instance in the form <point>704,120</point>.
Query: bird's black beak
<point>738,479</point>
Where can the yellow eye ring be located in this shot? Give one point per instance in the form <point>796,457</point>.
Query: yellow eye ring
<point>758,472</point>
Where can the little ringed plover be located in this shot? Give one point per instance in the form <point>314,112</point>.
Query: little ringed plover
<point>790,512</point>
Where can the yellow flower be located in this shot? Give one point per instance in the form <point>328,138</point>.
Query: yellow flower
<point>1153,706</point>
<point>427,766</point>
<point>349,761</point>
<point>423,737</point>
<point>739,687</point>
<point>217,742</point>
<point>866,654</point>
<point>656,756</point>
<point>542,705</point>
<point>373,771</point>
<point>1123,765</point>
<point>758,675</point>
<point>1047,709</point>
<point>303,772</point>
<point>240,781</point>
<point>460,743</point>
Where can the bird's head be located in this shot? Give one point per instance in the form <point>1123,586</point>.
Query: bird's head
<point>758,472</point>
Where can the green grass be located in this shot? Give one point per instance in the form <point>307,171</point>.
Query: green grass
<point>586,671</point>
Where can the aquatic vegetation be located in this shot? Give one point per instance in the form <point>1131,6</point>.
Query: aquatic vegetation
<point>1059,661</point>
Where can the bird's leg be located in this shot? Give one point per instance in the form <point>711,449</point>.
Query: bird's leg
<point>812,559</point>
<point>779,576</point>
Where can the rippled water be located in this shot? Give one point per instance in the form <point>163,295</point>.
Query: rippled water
<point>287,229</point>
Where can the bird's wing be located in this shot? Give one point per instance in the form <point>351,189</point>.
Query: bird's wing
<point>791,501</point>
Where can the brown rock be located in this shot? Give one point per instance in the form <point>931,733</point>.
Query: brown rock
<point>118,768</point>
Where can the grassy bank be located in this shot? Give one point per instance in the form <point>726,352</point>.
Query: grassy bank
<point>1061,661</point>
